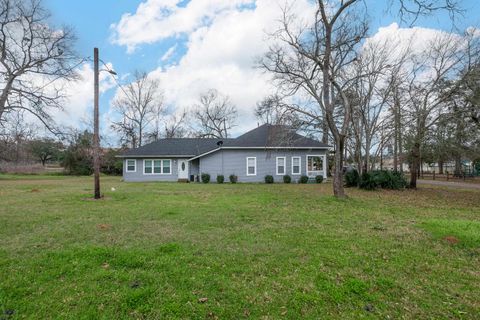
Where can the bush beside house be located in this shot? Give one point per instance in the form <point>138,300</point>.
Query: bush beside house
<point>303,179</point>
<point>205,177</point>
<point>233,178</point>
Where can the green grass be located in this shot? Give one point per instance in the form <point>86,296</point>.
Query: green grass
<point>168,250</point>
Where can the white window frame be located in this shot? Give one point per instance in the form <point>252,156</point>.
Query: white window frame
<point>134,165</point>
<point>322,172</point>
<point>255,166</point>
<point>284,166</point>
<point>161,167</point>
<point>299,166</point>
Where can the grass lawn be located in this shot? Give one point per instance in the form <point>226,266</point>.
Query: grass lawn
<point>168,250</point>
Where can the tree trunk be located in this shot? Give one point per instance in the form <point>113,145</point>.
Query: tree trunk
<point>440,167</point>
<point>400,149</point>
<point>395,151</point>
<point>4,96</point>
<point>338,189</point>
<point>367,156</point>
<point>415,165</point>
<point>324,129</point>
<point>140,133</point>
<point>458,165</point>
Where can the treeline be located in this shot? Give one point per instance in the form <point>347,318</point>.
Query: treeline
<point>74,155</point>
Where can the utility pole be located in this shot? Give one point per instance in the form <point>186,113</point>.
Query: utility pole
<point>96,137</point>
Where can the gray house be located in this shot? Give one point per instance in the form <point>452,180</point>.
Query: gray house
<point>267,150</point>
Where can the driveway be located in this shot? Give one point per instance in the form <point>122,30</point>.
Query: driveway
<point>461,185</point>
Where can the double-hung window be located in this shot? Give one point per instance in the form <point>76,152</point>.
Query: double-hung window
<point>166,166</point>
<point>157,166</point>
<point>131,165</point>
<point>281,165</point>
<point>251,166</point>
<point>296,166</point>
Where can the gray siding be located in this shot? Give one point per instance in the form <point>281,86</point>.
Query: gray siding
<point>194,167</point>
<point>139,176</point>
<point>229,162</point>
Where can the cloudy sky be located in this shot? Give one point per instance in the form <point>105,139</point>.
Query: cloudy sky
<point>194,45</point>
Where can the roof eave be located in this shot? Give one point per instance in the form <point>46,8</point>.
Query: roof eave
<point>156,156</point>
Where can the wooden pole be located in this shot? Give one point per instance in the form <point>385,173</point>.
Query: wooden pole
<point>96,137</point>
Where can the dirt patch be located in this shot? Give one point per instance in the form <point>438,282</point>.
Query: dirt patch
<point>93,199</point>
<point>451,239</point>
<point>104,226</point>
<point>34,190</point>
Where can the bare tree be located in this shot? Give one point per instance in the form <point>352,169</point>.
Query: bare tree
<point>175,126</point>
<point>139,104</point>
<point>314,58</point>
<point>15,132</point>
<point>273,110</point>
<point>215,114</point>
<point>411,10</point>
<point>376,71</point>
<point>35,60</point>
<point>429,90</point>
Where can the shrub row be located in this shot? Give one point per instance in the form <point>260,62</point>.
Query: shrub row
<point>220,178</point>
<point>288,179</point>
<point>205,177</point>
<point>376,179</point>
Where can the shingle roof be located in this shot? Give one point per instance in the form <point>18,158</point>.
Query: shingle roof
<point>267,136</point>
<point>270,136</point>
<point>174,147</point>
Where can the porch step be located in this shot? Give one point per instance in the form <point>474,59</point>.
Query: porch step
<point>183,180</point>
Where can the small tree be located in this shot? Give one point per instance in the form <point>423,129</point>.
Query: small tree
<point>45,149</point>
<point>78,158</point>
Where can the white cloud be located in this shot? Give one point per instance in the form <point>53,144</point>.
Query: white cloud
<point>155,20</point>
<point>224,39</point>
<point>169,53</point>
<point>79,103</point>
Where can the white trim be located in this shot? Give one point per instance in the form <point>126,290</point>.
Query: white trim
<point>284,166</point>
<point>134,164</point>
<point>299,165</point>
<point>255,148</point>
<point>161,167</point>
<point>318,172</point>
<point>285,147</point>
<point>255,173</point>
<point>155,156</point>
<point>203,154</point>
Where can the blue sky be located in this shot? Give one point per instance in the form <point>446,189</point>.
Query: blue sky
<point>93,20</point>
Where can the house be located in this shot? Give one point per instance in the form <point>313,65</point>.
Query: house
<point>266,150</point>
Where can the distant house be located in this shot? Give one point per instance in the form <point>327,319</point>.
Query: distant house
<point>267,150</point>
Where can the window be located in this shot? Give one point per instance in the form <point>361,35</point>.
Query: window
<point>157,167</point>
<point>251,166</point>
<point>147,167</point>
<point>296,168</point>
<point>314,164</point>
<point>166,166</point>
<point>281,165</point>
<point>131,165</point>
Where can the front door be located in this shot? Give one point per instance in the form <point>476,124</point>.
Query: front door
<point>182,169</point>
